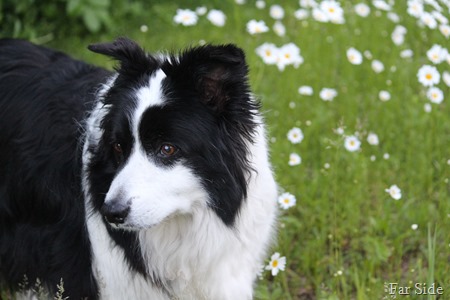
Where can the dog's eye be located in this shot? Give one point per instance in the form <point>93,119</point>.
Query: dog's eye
<point>118,152</point>
<point>168,150</point>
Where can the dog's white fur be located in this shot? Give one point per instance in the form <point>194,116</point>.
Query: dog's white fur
<point>183,241</point>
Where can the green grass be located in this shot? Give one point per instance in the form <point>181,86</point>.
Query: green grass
<point>346,237</point>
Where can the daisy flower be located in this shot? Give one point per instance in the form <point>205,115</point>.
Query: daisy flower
<point>295,135</point>
<point>393,17</point>
<point>279,28</point>
<point>185,17</point>
<point>254,27</point>
<point>301,14</point>
<point>394,192</point>
<point>276,12</point>
<point>415,8</point>
<point>352,143</point>
<point>428,20</point>
<point>201,10</point>
<point>260,4</point>
<point>435,95</point>
<point>294,159</point>
<point>286,200</point>
<point>216,17</point>
<point>381,4</point>
<point>377,66</point>
<point>354,56</point>
<point>400,29</point>
<point>143,28</point>
<point>362,9</point>
<point>414,226</point>
<point>397,38</point>
<point>308,3</point>
<point>327,94</point>
<point>398,35</point>
<point>440,17</point>
<point>446,78</point>
<point>333,11</point>
<point>289,54</point>
<point>437,54</point>
<point>339,131</point>
<point>305,90</point>
<point>276,264</point>
<point>384,96</point>
<point>368,54</point>
<point>428,75</point>
<point>407,53</point>
<point>445,30</point>
<point>268,52</point>
<point>372,139</point>
<point>319,15</point>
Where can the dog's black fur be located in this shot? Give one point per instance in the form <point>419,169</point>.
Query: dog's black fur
<point>45,98</point>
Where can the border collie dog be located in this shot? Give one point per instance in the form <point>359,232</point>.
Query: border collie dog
<point>150,182</point>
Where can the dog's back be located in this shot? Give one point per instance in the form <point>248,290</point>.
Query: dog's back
<point>40,111</point>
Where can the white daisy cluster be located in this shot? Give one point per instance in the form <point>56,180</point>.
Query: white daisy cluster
<point>431,14</point>
<point>398,35</point>
<point>326,11</point>
<point>288,54</point>
<point>429,76</point>
<point>257,27</point>
<point>326,93</point>
<point>352,143</point>
<point>187,17</point>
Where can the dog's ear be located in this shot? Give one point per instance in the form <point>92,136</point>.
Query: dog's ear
<point>131,56</point>
<point>221,76</point>
<point>218,73</point>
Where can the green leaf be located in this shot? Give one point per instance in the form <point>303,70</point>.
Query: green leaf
<point>91,20</point>
<point>100,3</point>
<point>73,7</point>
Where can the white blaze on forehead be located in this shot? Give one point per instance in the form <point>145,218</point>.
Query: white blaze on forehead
<point>147,96</point>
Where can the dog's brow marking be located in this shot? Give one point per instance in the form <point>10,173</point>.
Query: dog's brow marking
<point>149,95</point>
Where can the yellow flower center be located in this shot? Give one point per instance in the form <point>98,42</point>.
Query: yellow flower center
<point>428,76</point>
<point>286,201</point>
<point>287,55</point>
<point>331,10</point>
<point>268,53</point>
<point>274,263</point>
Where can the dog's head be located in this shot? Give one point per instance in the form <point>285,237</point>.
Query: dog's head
<point>173,135</point>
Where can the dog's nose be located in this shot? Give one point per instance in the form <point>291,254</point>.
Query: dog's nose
<point>115,212</point>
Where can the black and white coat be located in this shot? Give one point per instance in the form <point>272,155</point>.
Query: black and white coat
<point>152,182</point>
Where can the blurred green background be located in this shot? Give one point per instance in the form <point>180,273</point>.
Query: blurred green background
<point>345,238</point>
